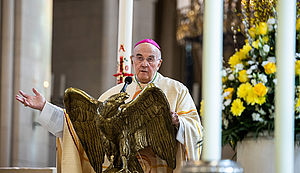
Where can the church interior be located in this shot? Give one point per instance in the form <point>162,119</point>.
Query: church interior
<point>52,45</point>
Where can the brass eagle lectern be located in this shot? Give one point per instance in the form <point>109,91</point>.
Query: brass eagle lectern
<point>119,130</point>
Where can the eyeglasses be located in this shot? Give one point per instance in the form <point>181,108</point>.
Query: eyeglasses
<point>141,59</point>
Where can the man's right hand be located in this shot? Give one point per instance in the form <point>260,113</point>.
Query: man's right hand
<point>36,101</point>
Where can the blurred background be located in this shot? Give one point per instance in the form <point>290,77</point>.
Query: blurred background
<point>55,44</point>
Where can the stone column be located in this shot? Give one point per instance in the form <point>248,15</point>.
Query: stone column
<point>109,43</point>
<point>172,54</point>
<point>6,81</point>
<point>143,20</point>
<point>32,68</point>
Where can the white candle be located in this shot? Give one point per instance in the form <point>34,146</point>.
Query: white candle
<point>124,38</point>
<point>212,80</point>
<point>284,92</point>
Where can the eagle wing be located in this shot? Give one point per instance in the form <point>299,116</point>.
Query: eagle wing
<point>82,110</point>
<point>148,122</point>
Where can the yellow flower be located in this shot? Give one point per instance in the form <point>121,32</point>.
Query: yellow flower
<point>237,107</point>
<point>247,47</point>
<point>298,24</point>
<point>241,54</point>
<point>297,104</point>
<point>260,89</point>
<point>230,90</point>
<point>297,67</point>
<point>265,39</point>
<point>224,79</point>
<point>260,100</point>
<point>243,90</point>
<point>252,32</point>
<point>234,60</point>
<point>251,97</point>
<point>243,76</point>
<point>201,108</point>
<point>245,50</point>
<point>255,44</point>
<point>270,68</point>
<point>262,28</point>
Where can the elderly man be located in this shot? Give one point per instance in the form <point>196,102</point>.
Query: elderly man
<point>146,60</point>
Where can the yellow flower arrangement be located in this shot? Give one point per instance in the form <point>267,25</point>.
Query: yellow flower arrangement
<point>249,84</point>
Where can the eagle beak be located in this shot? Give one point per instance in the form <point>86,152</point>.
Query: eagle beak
<point>124,96</point>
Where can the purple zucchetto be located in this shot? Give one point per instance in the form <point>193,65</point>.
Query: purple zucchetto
<point>148,41</point>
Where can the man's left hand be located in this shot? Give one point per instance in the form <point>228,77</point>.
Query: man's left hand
<point>175,120</point>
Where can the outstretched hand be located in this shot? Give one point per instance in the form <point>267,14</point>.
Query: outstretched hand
<point>36,101</point>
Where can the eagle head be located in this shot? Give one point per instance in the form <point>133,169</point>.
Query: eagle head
<point>111,105</point>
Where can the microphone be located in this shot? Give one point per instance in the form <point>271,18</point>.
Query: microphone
<point>128,81</point>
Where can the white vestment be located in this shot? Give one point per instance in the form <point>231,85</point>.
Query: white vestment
<point>74,159</point>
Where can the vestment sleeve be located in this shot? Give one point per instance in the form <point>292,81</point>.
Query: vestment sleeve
<point>52,118</point>
<point>190,129</point>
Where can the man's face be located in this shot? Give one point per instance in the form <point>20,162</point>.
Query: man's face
<point>146,61</point>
